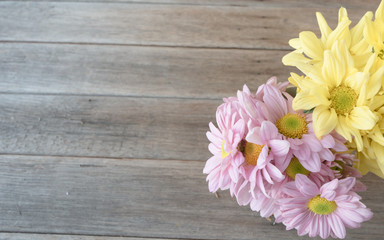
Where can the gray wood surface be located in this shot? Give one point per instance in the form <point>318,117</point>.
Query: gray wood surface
<point>159,128</point>
<point>24,236</point>
<point>136,197</point>
<point>104,105</point>
<point>156,24</point>
<point>135,71</point>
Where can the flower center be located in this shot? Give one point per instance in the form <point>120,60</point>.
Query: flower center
<point>292,125</point>
<point>251,152</point>
<point>321,205</point>
<point>295,167</point>
<point>343,99</point>
<point>224,154</point>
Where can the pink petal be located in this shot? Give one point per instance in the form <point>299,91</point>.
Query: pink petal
<point>328,190</point>
<point>268,131</point>
<point>345,185</point>
<point>212,163</point>
<point>324,227</point>
<point>253,136</point>
<point>327,141</point>
<point>279,148</point>
<point>263,158</point>
<point>243,195</point>
<point>313,143</point>
<point>313,163</point>
<point>337,225</point>
<point>306,186</point>
<point>275,172</point>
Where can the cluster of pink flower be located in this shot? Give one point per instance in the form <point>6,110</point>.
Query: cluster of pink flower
<point>268,156</point>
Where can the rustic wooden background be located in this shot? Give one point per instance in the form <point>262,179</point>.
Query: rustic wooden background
<point>104,105</point>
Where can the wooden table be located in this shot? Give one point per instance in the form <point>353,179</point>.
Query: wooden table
<point>105,104</point>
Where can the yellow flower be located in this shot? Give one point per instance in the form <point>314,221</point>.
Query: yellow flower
<point>372,155</point>
<point>310,49</point>
<point>374,36</point>
<point>339,94</point>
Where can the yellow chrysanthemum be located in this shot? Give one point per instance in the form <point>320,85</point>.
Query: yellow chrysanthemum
<point>374,36</point>
<point>310,49</point>
<point>338,93</point>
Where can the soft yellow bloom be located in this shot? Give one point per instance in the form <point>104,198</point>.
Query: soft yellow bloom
<point>374,36</point>
<point>310,49</point>
<point>338,93</point>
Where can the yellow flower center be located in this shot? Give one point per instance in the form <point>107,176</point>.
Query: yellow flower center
<point>295,167</point>
<point>292,125</point>
<point>251,152</point>
<point>343,99</point>
<point>224,154</point>
<point>321,205</point>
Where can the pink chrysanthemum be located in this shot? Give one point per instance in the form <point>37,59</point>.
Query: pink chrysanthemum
<point>324,211</point>
<point>295,127</point>
<point>222,167</point>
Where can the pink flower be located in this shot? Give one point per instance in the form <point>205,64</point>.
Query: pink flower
<point>282,86</point>
<point>222,167</point>
<point>324,211</point>
<point>295,128</point>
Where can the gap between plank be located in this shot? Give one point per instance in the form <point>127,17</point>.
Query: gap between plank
<point>111,236</point>
<point>96,157</point>
<point>109,95</point>
<point>144,45</point>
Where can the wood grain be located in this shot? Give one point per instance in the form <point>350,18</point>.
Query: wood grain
<point>322,4</point>
<point>24,236</point>
<point>135,71</point>
<point>156,24</point>
<point>105,126</point>
<point>142,198</point>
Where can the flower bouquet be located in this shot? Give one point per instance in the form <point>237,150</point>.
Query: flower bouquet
<point>298,158</point>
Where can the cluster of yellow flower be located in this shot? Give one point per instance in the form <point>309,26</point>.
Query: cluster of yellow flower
<point>344,83</point>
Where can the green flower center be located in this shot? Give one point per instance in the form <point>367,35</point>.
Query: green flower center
<point>321,205</point>
<point>343,99</point>
<point>251,152</point>
<point>292,125</point>
<point>295,167</point>
<point>224,154</point>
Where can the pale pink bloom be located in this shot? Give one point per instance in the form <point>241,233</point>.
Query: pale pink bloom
<point>222,167</point>
<point>343,167</point>
<point>323,211</point>
<point>282,86</point>
<point>309,150</point>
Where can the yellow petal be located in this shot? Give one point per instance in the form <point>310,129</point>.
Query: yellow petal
<point>374,83</point>
<point>362,118</point>
<point>324,120</point>
<point>342,14</point>
<point>342,128</point>
<point>341,32</point>
<point>331,70</point>
<point>379,14</point>
<point>295,43</point>
<point>311,45</point>
<point>294,58</point>
<point>304,100</point>
<point>370,34</point>
<point>357,31</point>
<point>379,151</point>
<point>323,25</point>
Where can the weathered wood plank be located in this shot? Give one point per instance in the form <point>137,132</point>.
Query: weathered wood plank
<point>135,71</point>
<point>371,4</point>
<point>143,198</point>
<point>29,236</point>
<point>156,24</point>
<point>105,126</point>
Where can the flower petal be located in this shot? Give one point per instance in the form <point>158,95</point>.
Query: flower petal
<point>306,186</point>
<point>324,120</point>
